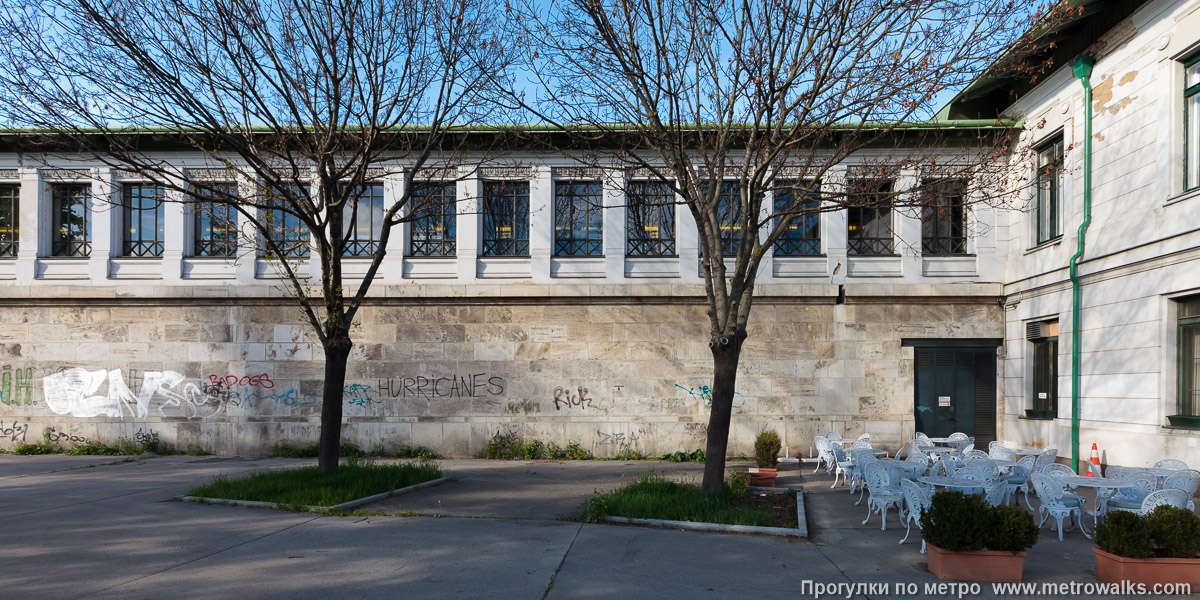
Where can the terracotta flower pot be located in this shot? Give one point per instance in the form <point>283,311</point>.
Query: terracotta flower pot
<point>985,566</point>
<point>762,477</point>
<point>1111,568</point>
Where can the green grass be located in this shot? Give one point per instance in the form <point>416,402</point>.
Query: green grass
<point>282,450</point>
<point>307,486</point>
<point>653,496</point>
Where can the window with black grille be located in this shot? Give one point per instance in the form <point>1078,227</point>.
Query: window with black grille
<point>1043,341</point>
<point>142,205</point>
<point>72,220</point>
<point>1048,209</point>
<point>216,223</point>
<point>505,218</point>
<point>433,226</point>
<point>802,201</point>
<point>578,218</point>
<point>284,227</point>
<point>944,219</point>
<point>729,216</point>
<point>10,204</point>
<point>1189,356</point>
<point>363,217</point>
<point>869,218</point>
<point>650,219</point>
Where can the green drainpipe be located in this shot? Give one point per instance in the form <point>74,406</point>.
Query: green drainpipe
<point>1083,70</point>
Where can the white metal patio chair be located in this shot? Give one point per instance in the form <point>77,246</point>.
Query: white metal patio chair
<point>1171,463</point>
<point>1018,478</point>
<point>864,437</point>
<point>1187,481</point>
<point>861,458</point>
<point>1054,504</point>
<point>824,454</point>
<point>881,493</point>
<point>1000,451</point>
<point>1176,498</point>
<point>996,494</point>
<point>1144,482</point>
<point>916,501</point>
<point>921,459</point>
<point>973,453</point>
<point>1045,458</point>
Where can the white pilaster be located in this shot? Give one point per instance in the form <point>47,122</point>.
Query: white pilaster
<point>247,250</point>
<point>687,243</point>
<point>541,223</point>
<point>906,222</point>
<point>467,225</point>
<point>834,224</point>
<point>392,268</point>
<point>30,236</point>
<point>106,219</point>
<point>175,233</point>
<point>615,223</point>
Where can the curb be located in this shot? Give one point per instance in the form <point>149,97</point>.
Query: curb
<point>318,509</point>
<point>799,532</point>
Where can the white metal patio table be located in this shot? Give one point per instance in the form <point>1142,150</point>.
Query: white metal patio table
<point>951,482</point>
<point>1100,483</point>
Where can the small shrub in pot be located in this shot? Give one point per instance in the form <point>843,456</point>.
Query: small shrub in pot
<point>766,449</point>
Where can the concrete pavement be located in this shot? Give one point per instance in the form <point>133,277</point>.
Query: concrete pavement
<point>110,532</point>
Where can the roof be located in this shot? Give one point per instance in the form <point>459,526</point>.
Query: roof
<point>1054,46</point>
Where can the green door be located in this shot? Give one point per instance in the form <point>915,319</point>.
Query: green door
<point>956,391</point>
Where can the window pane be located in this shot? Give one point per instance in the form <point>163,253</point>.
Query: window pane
<point>650,219</point>
<point>143,212</point>
<point>216,223</point>
<point>505,218</point>
<point>870,222</point>
<point>10,201</point>
<point>363,219</point>
<point>72,233</point>
<point>1049,186</point>
<point>286,230</point>
<point>578,219</point>
<point>943,219</point>
<point>435,211</point>
<point>1192,157</point>
<point>1189,369</point>
<point>729,216</point>
<point>1045,374</point>
<point>803,235</point>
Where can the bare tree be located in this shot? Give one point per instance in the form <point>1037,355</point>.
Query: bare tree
<point>301,102</point>
<point>732,103</point>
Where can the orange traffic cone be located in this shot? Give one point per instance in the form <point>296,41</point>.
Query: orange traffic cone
<point>1095,459</point>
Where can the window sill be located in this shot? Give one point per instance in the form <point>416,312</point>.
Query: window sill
<point>792,256</point>
<point>576,256</point>
<point>1040,415</point>
<point>1046,244</point>
<point>650,256</point>
<point>936,256</point>
<point>1184,421</point>
<point>1188,195</point>
<point>873,255</point>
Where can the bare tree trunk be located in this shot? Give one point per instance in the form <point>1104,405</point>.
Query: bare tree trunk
<point>726,352</point>
<point>337,354</point>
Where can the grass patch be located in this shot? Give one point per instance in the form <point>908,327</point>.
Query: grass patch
<point>307,486</point>
<point>282,450</point>
<point>509,448</point>
<point>653,496</point>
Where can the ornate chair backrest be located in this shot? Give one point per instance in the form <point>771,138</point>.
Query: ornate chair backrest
<point>1047,489</point>
<point>924,439</point>
<point>995,494</point>
<point>915,498</point>
<point>822,445</point>
<point>978,473</point>
<point>999,451</point>
<point>1055,470</point>
<point>1176,498</point>
<point>1045,458</point>
<point>1023,467</point>
<point>1143,482</point>
<point>877,477</point>
<point>1171,463</point>
<point>839,455</point>
<point>973,453</point>
<point>832,435</point>
<point>1117,472</point>
<point>862,457</point>
<point>918,458</point>
<point>860,444</point>
<point>969,448</point>
<point>1187,481</point>
<point>984,463</point>
<point>958,435</point>
<point>865,436</point>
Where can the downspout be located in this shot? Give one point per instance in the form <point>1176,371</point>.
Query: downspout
<point>1083,70</point>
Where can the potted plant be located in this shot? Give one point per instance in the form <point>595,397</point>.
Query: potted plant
<point>958,527</point>
<point>1160,547</point>
<point>766,447</point>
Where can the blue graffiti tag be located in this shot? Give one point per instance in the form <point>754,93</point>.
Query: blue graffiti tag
<point>360,394</point>
<point>706,395</point>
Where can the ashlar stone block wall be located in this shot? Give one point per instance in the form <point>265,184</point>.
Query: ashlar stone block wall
<point>238,376</point>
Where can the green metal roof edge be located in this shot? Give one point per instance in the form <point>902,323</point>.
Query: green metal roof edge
<point>930,125</point>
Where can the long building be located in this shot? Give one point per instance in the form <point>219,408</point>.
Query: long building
<point>149,322</point>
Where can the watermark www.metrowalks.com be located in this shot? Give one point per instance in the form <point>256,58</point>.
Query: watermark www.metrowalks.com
<point>817,589</point>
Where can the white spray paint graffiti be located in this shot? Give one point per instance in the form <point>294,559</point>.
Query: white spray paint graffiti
<point>74,392</point>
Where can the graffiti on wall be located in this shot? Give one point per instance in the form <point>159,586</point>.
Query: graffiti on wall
<point>564,397</point>
<point>475,385</point>
<point>75,392</point>
<point>14,431</point>
<point>263,380</point>
<point>16,385</point>
<point>705,393</point>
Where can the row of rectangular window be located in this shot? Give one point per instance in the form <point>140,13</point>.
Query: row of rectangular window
<point>578,221</point>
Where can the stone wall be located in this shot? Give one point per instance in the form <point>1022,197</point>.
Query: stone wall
<point>238,376</point>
